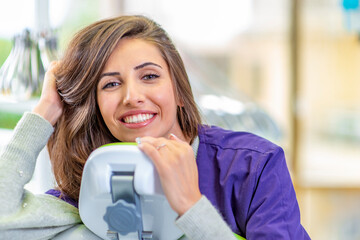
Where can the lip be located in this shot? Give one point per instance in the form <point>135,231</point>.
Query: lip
<point>137,125</point>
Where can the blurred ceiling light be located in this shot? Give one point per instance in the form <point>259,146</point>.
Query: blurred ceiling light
<point>200,23</point>
<point>20,14</point>
<point>221,104</point>
<point>22,74</point>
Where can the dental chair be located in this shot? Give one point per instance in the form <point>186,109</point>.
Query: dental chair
<point>121,196</point>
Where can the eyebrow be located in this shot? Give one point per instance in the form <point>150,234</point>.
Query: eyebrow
<point>135,68</point>
<point>109,74</point>
<point>146,64</point>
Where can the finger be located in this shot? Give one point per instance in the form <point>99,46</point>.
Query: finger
<point>49,75</point>
<point>174,137</point>
<point>52,64</point>
<point>154,155</point>
<point>148,149</point>
<point>155,142</point>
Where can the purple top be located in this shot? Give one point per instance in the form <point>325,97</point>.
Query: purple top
<point>57,194</point>
<point>246,178</point>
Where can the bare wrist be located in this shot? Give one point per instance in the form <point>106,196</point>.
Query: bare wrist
<point>189,205</point>
<point>48,111</point>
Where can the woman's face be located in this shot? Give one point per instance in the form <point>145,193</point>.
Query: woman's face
<point>135,93</point>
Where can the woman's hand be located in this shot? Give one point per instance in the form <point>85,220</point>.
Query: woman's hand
<point>50,106</point>
<point>176,165</point>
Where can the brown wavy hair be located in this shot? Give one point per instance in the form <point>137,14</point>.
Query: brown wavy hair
<point>81,129</point>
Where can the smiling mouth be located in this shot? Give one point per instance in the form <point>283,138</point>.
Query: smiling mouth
<point>138,118</point>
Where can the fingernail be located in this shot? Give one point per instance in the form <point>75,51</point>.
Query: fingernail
<point>173,135</point>
<point>138,140</point>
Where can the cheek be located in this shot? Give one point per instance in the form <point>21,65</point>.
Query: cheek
<point>167,96</point>
<point>99,100</point>
<point>105,107</point>
<point>169,106</point>
<point>166,100</point>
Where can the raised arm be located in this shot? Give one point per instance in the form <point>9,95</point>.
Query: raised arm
<point>50,106</point>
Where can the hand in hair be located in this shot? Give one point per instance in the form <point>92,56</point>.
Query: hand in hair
<point>50,106</point>
<point>176,165</point>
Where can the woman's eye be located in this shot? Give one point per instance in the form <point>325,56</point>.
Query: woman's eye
<point>150,76</point>
<point>111,84</point>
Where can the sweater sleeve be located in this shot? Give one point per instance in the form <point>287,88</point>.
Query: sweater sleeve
<point>23,213</point>
<point>18,158</point>
<point>204,222</point>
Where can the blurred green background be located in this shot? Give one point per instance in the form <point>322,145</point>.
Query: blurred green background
<point>7,120</point>
<point>10,111</point>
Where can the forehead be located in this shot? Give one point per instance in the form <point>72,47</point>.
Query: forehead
<point>132,51</point>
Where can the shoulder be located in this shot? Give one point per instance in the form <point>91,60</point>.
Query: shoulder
<point>231,165</point>
<point>242,141</point>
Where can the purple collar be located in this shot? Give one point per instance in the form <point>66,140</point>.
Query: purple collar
<point>57,193</point>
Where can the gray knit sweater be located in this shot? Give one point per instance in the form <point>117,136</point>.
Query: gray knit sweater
<point>24,215</point>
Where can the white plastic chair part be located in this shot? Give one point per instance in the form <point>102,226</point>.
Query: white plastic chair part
<point>95,193</point>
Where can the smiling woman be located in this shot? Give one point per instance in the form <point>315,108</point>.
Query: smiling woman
<point>122,79</point>
<point>137,98</point>
<point>97,79</point>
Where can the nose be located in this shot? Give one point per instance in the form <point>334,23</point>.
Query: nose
<point>133,95</point>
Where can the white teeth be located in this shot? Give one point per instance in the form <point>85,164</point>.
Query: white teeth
<point>138,118</point>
